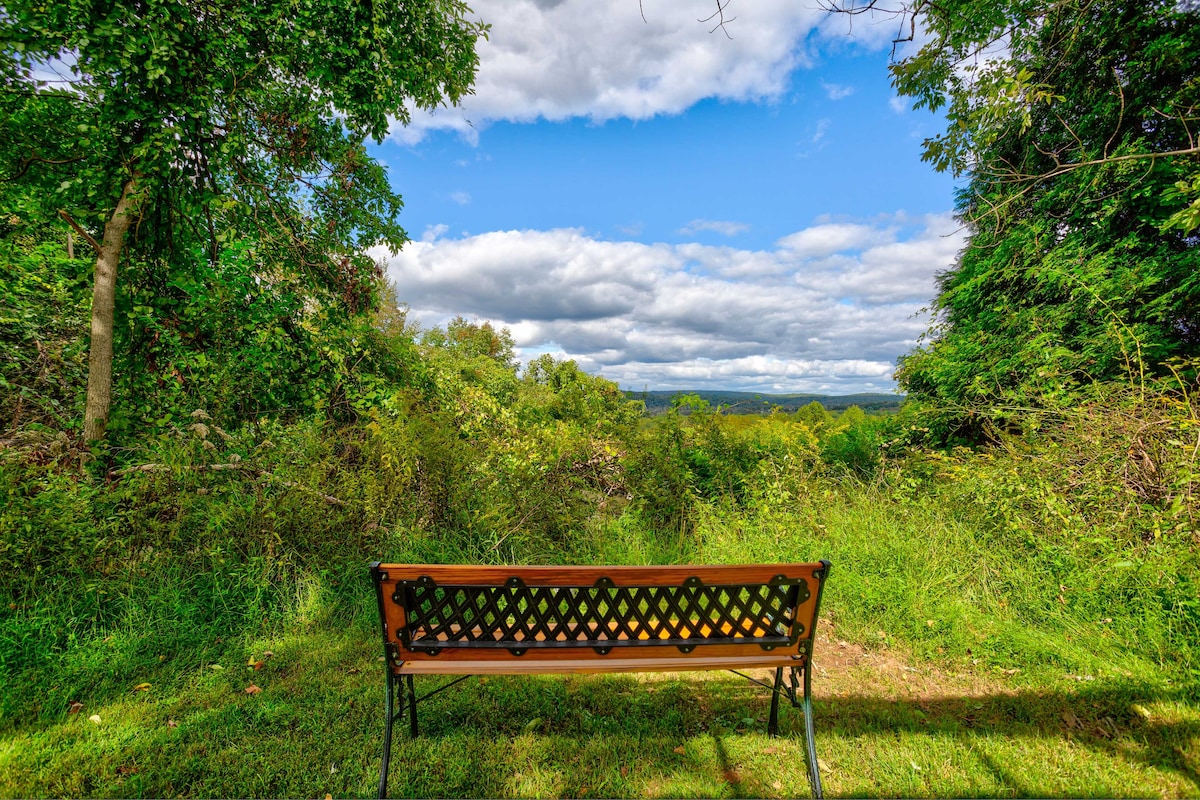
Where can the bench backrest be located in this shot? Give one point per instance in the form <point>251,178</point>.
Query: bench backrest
<point>488,613</point>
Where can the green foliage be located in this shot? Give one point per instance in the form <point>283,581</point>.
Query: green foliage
<point>210,335</point>
<point>562,391</point>
<point>1079,267</point>
<point>236,131</point>
<point>853,442</point>
<point>281,423</point>
<point>42,313</point>
<point>814,417</point>
<point>682,462</point>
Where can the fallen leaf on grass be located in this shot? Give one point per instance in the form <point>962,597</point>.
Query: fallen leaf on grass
<point>75,707</point>
<point>126,770</point>
<point>1140,710</point>
<point>732,776</point>
<point>770,751</point>
<point>142,687</point>
<point>252,689</point>
<point>268,654</point>
<point>776,785</point>
<point>679,750</point>
<point>94,718</point>
<point>172,723</point>
<point>532,724</point>
<point>353,671</point>
<point>215,667</point>
<point>255,665</point>
<point>624,772</point>
<point>1070,719</point>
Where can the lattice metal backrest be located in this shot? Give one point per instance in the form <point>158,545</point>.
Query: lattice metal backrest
<point>518,614</point>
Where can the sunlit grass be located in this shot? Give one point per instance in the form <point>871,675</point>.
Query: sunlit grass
<point>954,659</point>
<point>315,728</point>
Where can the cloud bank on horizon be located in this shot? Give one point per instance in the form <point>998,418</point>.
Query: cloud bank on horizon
<point>826,308</point>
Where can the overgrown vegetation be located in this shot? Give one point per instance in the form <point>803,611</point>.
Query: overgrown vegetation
<point>1075,124</point>
<point>1015,599</point>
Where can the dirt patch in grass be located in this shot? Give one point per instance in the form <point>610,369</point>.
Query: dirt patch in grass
<point>842,668</point>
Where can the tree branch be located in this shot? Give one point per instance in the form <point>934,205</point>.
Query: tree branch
<point>62,212</point>
<point>719,15</point>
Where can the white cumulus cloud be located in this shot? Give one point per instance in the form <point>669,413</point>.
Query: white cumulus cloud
<point>830,308</point>
<point>558,59</point>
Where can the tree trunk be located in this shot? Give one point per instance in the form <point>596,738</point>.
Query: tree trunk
<point>104,293</point>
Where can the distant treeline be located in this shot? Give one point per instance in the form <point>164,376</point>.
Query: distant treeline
<point>759,403</point>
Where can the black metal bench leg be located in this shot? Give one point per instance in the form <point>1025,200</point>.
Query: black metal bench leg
<point>814,772</point>
<point>773,720</point>
<point>389,714</point>
<point>412,707</point>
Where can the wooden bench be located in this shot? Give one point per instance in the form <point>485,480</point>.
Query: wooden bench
<point>486,620</point>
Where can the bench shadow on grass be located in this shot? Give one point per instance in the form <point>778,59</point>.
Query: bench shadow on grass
<point>1105,717</point>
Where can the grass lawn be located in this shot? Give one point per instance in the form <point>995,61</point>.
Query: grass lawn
<point>945,667</point>
<point>887,725</point>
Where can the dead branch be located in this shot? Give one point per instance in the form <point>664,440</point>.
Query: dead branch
<point>236,465</point>
<point>719,15</point>
<point>86,236</point>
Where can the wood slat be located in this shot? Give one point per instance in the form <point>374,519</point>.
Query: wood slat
<point>585,653</point>
<point>710,574</point>
<point>522,666</point>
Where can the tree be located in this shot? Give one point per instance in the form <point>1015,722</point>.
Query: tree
<point>174,127</point>
<point>815,417</point>
<point>565,392</point>
<point>1074,121</point>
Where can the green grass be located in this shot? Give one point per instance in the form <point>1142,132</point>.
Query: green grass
<point>952,661</point>
<point>315,729</point>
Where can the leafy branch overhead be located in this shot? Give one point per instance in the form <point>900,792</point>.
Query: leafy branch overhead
<point>1056,73</point>
<point>1075,124</point>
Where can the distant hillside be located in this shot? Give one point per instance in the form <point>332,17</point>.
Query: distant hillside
<point>760,403</point>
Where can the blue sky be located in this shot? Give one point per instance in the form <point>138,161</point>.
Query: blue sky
<point>673,208</point>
